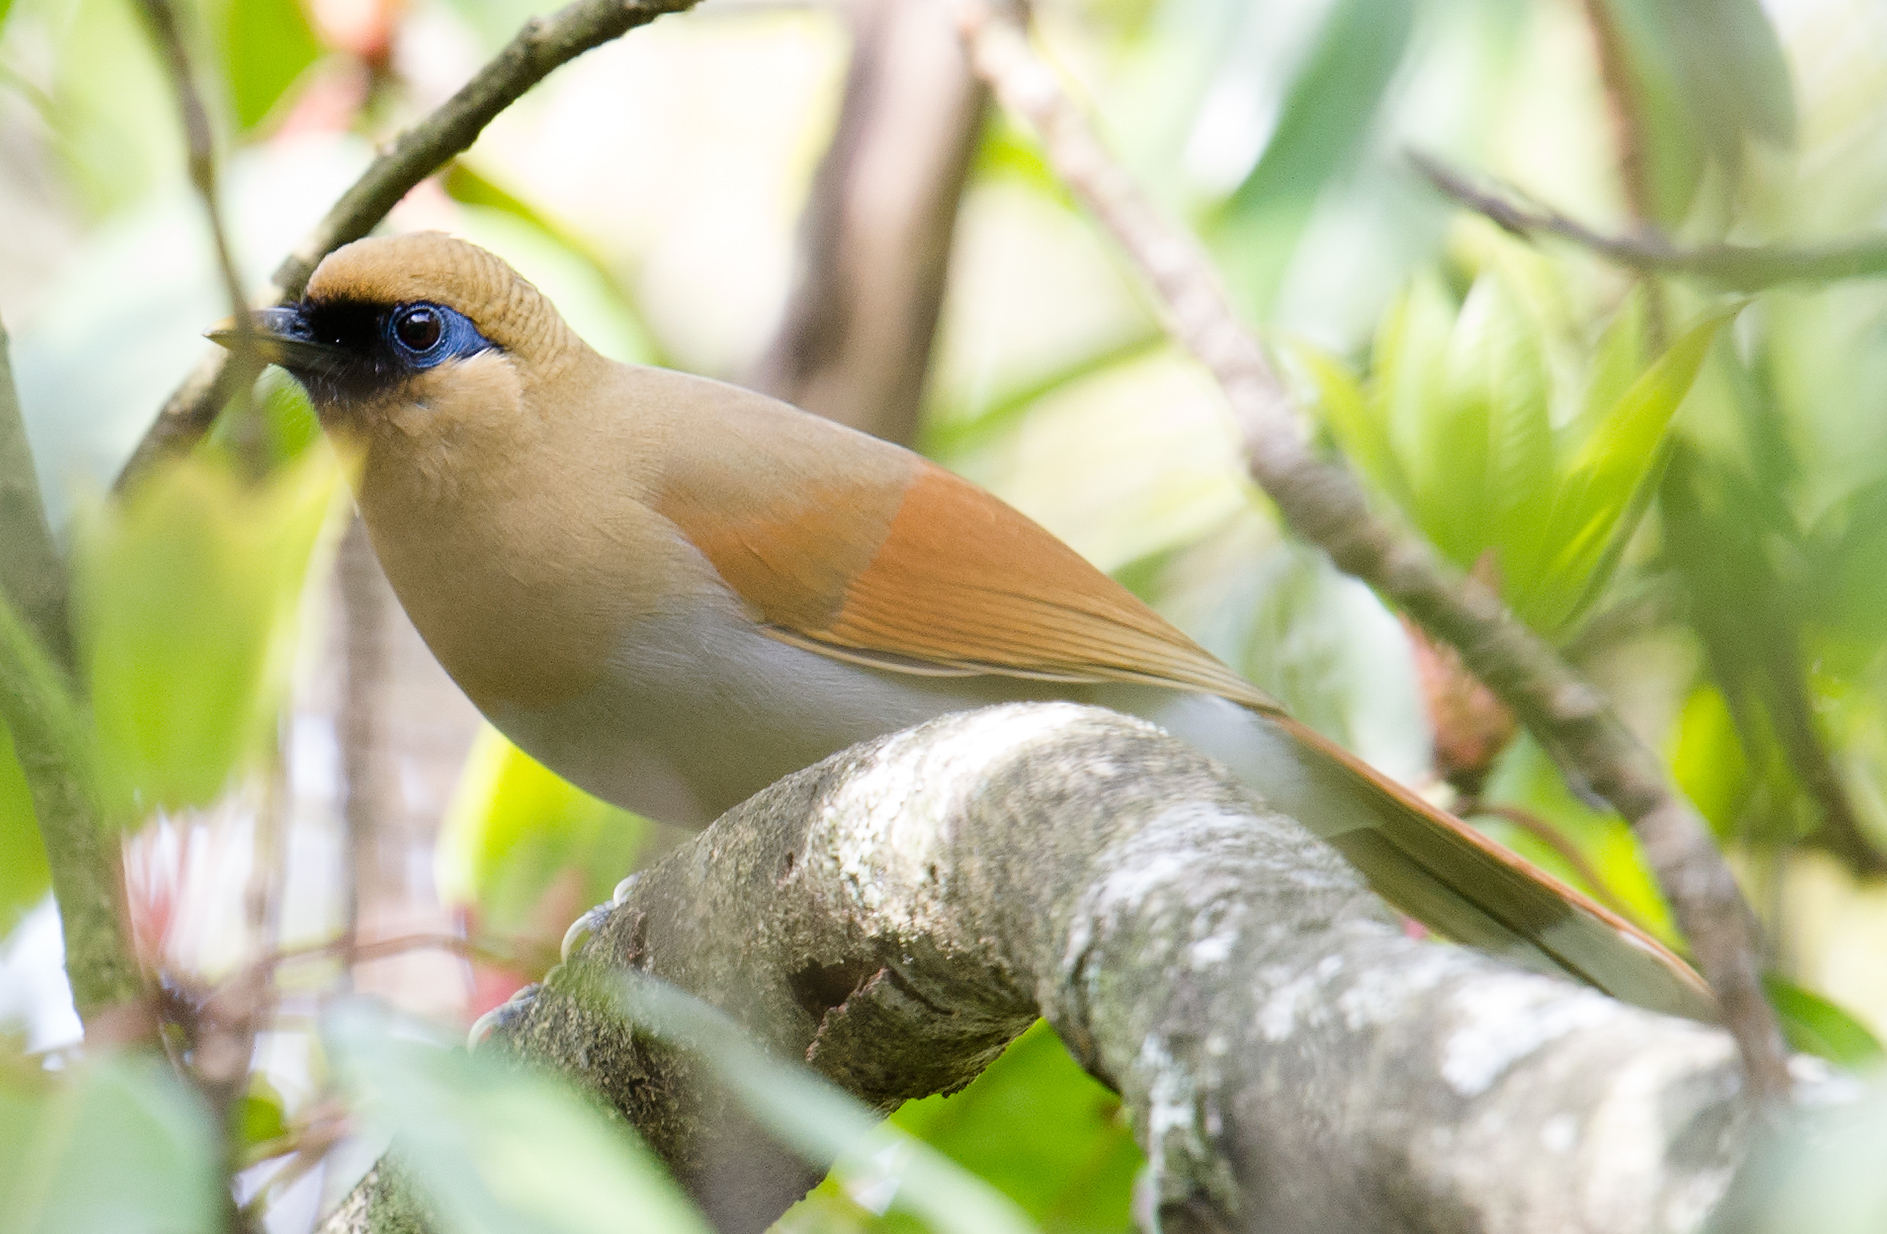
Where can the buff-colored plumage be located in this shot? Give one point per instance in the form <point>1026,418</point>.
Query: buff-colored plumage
<point>673,591</point>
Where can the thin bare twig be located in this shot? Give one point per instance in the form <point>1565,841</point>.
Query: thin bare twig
<point>1734,267</point>
<point>200,145</point>
<point>1322,502</point>
<point>542,45</point>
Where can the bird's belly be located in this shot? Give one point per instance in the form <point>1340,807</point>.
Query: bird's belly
<point>695,714</point>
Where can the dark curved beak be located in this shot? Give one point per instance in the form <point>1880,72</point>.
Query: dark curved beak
<point>279,336</point>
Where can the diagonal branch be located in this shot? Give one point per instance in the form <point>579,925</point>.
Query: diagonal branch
<point>1322,502</point>
<point>1291,1060</point>
<point>542,45</point>
<point>1735,267</point>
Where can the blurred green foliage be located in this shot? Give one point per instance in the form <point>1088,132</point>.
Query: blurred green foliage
<point>114,1145</point>
<point>265,46</point>
<point>875,1161</point>
<point>1034,1126</point>
<point>493,1148</point>
<point>186,596</point>
<point>1466,429</point>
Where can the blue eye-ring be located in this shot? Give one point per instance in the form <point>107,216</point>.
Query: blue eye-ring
<point>429,334</point>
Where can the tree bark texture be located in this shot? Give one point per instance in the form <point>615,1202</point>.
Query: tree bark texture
<point>856,341</point>
<point>1293,1061</point>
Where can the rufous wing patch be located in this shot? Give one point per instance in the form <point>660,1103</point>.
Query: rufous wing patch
<point>961,581</point>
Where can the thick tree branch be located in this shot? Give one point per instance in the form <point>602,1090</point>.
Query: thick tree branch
<point>542,45</point>
<point>1734,267</point>
<point>875,237</point>
<point>1292,1060</point>
<point>1322,502</point>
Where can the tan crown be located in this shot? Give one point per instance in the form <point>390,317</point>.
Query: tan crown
<point>435,267</point>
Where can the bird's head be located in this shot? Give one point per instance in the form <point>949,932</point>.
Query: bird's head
<point>393,324</point>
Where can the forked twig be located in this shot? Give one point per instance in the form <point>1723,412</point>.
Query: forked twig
<point>1322,502</point>
<point>542,45</point>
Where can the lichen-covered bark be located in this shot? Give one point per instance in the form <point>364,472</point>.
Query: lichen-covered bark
<point>1292,1059</point>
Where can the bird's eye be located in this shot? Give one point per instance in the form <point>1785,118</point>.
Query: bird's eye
<point>419,327</point>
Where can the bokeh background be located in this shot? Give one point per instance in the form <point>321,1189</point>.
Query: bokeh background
<point>1683,485</point>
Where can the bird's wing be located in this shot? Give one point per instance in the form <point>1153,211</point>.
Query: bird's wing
<point>952,581</point>
<point>948,579</point>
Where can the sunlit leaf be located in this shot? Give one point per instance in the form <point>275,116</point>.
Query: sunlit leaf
<point>266,45</point>
<point>187,594</point>
<point>1360,433</point>
<point>1618,359</point>
<point>1041,1130</point>
<point>113,1146</point>
<point>1819,1026</point>
<point>1708,761</point>
<point>516,829</point>
<point>496,1149</point>
<point>261,1116</point>
<point>1613,475</point>
<point>822,1123</point>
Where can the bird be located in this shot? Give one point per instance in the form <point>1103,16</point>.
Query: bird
<point>673,591</point>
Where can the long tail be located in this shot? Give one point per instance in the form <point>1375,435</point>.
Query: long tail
<point>1429,864</point>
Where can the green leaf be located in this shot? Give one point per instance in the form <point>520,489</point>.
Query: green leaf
<point>1618,359</point>
<point>498,1150</point>
<point>515,830</point>
<point>24,874</point>
<point>825,1125</point>
<point>266,45</point>
<point>1409,375</point>
<point>1614,473</point>
<point>1360,433</point>
<point>1815,1025</point>
<point>1848,605</point>
<point>1326,115</point>
<point>1042,1131</point>
<point>187,594</point>
<point>1708,762</point>
<point>116,1145</point>
<point>261,1117</point>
